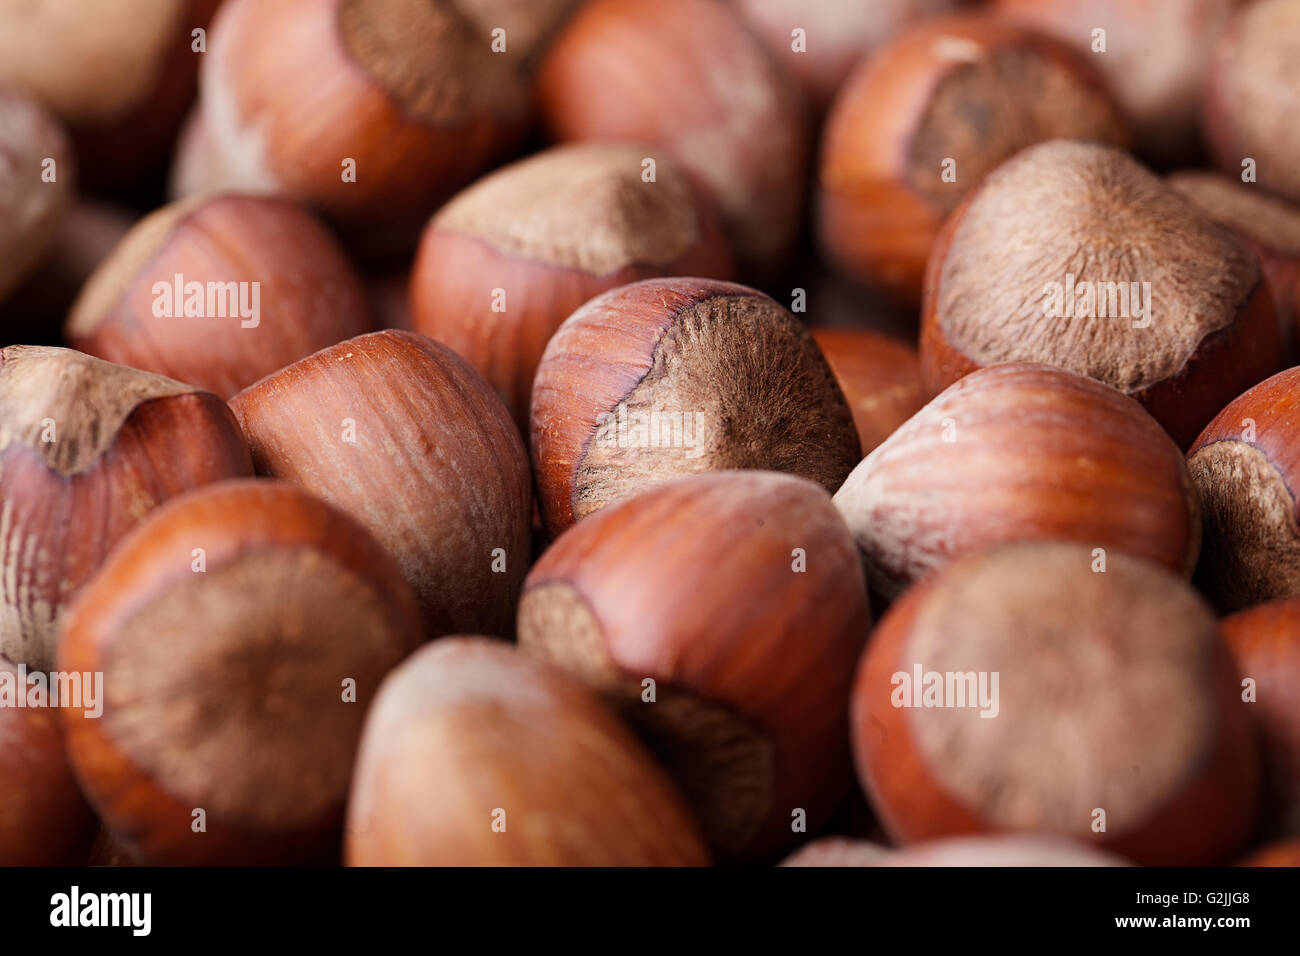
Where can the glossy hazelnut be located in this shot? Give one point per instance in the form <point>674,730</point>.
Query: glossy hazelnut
<point>835,34</point>
<point>31,207</point>
<point>219,291</point>
<point>503,264</point>
<point>1156,57</point>
<point>374,111</point>
<point>670,377</point>
<point>242,632</point>
<point>402,434</point>
<point>1024,689</point>
<point>1020,452</point>
<point>87,449</point>
<point>880,377</point>
<point>923,120</point>
<point>1074,255</point>
<point>730,647</point>
<point>1271,227</point>
<point>120,78</point>
<point>1265,640</point>
<point>44,820</point>
<point>475,755</point>
<point>687,77</point>
<point>1245,465</point>
<point>1255,70</point>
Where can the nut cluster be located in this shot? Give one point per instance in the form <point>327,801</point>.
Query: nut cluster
<point>601,432</point>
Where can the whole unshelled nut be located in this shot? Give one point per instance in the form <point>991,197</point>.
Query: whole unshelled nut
<point>1022,689</point>
<point>721,614</point>
<point>87,449</point>
<point>219,291</point>
<point>398,431</point>
<point>926,118</point>
<point>1246,466</point>
<point>475,755</point>
<point>241,632</point>
<point>686,76</point>
<point>1074,255</point>
<point>668,377</point>
<point>1018,452</point>
<point>504,263</point>
<point>374,111</point>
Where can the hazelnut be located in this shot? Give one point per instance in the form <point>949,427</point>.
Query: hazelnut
<point>120,79</point>
<point>1156,57</point>
<point>374,111</point>
<point>1074,255</point>
<point>474,755</point>
<point>30,207</point>
<point>241,632</point>
<point>1265,640</point>
<point>87,448</point>
<point>836,34</point>
<point>1254,73</point>
<point>839,851</point>
<point>740,686</point>
<point>668,377</point>
<point>880,377</point>
<point>1284,853</point>
<point>1270,226</point>
<point>1244,466</point>
<point>506,261</point>
<point>43,819</point>
<point>219,291</point>
<point>925,119</point>
<point>401,433</point>
<point>527,25</point>
<point>685,76</point>
<point>1111,698</point>
<point>1020,452</point>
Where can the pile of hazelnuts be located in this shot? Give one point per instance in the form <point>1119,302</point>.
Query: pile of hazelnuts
<point>395,470</point>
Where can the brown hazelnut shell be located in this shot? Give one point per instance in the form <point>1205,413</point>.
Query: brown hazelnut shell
<point>225,690</point>
<point>1020,452</point>
<point>476,755</point>
<point>735,368</point>
<point>411,91</point>
<point>687,77</point>
<point>399,432</point>
<point>308,294</point>
<point>1246,466</point>
<point>968,88</point>
<point>551,232</point>
<point>1167,752</point>
<point>87,449</point>
<point>1244,348</point>
<point>750,653</point>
